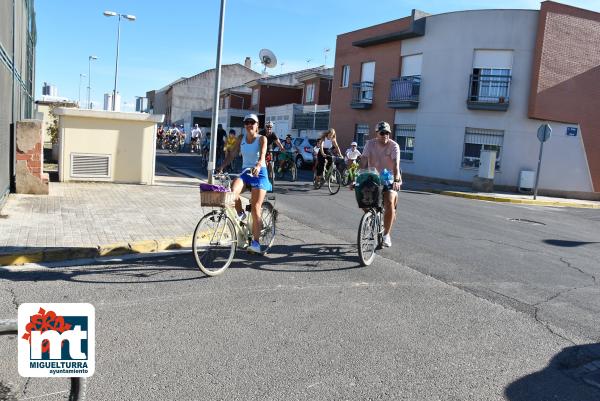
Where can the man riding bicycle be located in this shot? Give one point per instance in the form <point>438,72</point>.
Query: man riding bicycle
<point>384,153</point>
<point>271,140</point>
<point>196,138</point>
<point>352,154</point>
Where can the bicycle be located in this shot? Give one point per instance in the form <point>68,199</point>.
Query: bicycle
<point>220,232</point>
<point>349,174</point>
<point>288,167</point>
<point>370,230</point>
<point>332,176</point>
<point>77,385</point>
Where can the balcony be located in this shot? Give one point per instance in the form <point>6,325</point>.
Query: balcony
<point>489,92</point>
<point>404,92</point>
<point>362,95</point>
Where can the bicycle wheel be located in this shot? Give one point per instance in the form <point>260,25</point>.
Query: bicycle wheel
<point>346,177</point>
<point>335,182</point>
<point>214,243</point>
<point>367,238</point>
<point>267,233</point>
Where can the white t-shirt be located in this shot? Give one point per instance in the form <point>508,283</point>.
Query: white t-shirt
<point>352,154</point>
<point>196,133</point>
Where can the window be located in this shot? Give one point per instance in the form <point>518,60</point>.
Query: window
<point>310,93</point>
<point>490,85</point>
<point>405,136</point>
<point>254,97</point>
<point>476,140</point>
<point>361,131</point>
<point>345,76</point>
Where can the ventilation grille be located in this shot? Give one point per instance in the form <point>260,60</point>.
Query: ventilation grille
<point>90,165</point>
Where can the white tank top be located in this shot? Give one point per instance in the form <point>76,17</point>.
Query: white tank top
<point>327,143</point>
<point>250,152</point>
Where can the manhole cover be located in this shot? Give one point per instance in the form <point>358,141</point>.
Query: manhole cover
<point>533,222</point>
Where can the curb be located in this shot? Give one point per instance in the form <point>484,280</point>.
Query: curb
<point>117,249</point>
<point>536,202</point>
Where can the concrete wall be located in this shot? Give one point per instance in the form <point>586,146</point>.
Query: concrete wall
<point>196,93</point>
<point>30,178</point>
<point>442,116</point>
<point>129,139</point>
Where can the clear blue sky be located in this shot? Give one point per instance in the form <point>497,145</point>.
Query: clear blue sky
<point>176,38</point>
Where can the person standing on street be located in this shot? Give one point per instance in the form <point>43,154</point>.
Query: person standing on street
<point>196,138</point>
<point>221,134</point>
<point>384,153</point>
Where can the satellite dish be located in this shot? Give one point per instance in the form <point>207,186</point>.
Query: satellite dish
<point>267,58</point>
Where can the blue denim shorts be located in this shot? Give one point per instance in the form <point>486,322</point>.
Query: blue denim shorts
<point>260,182</point>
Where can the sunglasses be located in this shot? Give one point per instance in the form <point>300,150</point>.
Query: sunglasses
<point>249,122</point>
<point>383,133</point>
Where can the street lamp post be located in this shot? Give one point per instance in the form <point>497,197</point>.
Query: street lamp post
<point>89,88</point>
<point>215,114</point>
<point>129,18</point>
<point>79,101</point>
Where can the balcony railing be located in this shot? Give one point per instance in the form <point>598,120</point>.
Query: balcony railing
<point>489,92</point>
<point>404,92</point>
<point>362,95</point>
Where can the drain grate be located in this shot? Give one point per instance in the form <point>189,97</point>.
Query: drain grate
<point>533,222</point>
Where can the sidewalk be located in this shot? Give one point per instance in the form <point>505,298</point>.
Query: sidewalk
<point>89,220</point>
<point>504,197</point>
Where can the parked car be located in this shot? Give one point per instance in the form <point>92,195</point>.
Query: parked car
<point>305,148</point>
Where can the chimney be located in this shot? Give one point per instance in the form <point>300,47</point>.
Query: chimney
<point>248,63</point>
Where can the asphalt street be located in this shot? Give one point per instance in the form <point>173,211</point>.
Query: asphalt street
<point>475,301</point>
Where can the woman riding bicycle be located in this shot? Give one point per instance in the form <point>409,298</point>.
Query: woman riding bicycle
<point>253,148</point>
<point>328,141</point>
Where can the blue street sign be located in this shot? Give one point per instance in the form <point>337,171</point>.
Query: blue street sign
<point>571,131</point>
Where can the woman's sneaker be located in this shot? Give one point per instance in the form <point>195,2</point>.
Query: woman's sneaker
<point>254,247</point>
<point>387,241</point>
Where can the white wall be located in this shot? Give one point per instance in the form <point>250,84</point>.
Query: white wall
<point>442,116</point>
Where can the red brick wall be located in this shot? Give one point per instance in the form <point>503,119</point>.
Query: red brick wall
<point>566,74</point>
<point>387,66</point>
<point>240,101</point>
<point>33,159</point>
<point>277,96</point>
<point>324,91</point>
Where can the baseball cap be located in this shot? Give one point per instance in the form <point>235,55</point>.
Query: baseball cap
<point>383,126</point>
<point>251,117</point>
<point>354,144</point>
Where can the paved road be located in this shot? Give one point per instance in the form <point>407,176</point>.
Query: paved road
<point>467,305</point>
<point>304,323</point>
<point>538,260</point>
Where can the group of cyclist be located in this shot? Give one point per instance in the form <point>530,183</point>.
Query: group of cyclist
<point>253,145</point>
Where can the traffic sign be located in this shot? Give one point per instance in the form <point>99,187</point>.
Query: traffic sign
<point>544,132</point>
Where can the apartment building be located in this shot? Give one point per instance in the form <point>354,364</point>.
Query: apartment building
<point>458,83</point>
<point>294,101</point>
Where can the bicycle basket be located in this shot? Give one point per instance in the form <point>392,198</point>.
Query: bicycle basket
<point>368,191</point>
<point>220,199</point>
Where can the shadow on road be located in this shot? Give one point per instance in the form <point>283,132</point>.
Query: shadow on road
<point>172,269</point>
<point>569,376</point>
<point>567,244</point>
<point>306,258</point>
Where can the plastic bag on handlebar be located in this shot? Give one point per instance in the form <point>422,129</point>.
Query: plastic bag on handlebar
<point>213,188</point>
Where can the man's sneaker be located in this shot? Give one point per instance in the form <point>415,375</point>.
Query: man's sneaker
<point>387,241</point>
<point>254,247</point>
